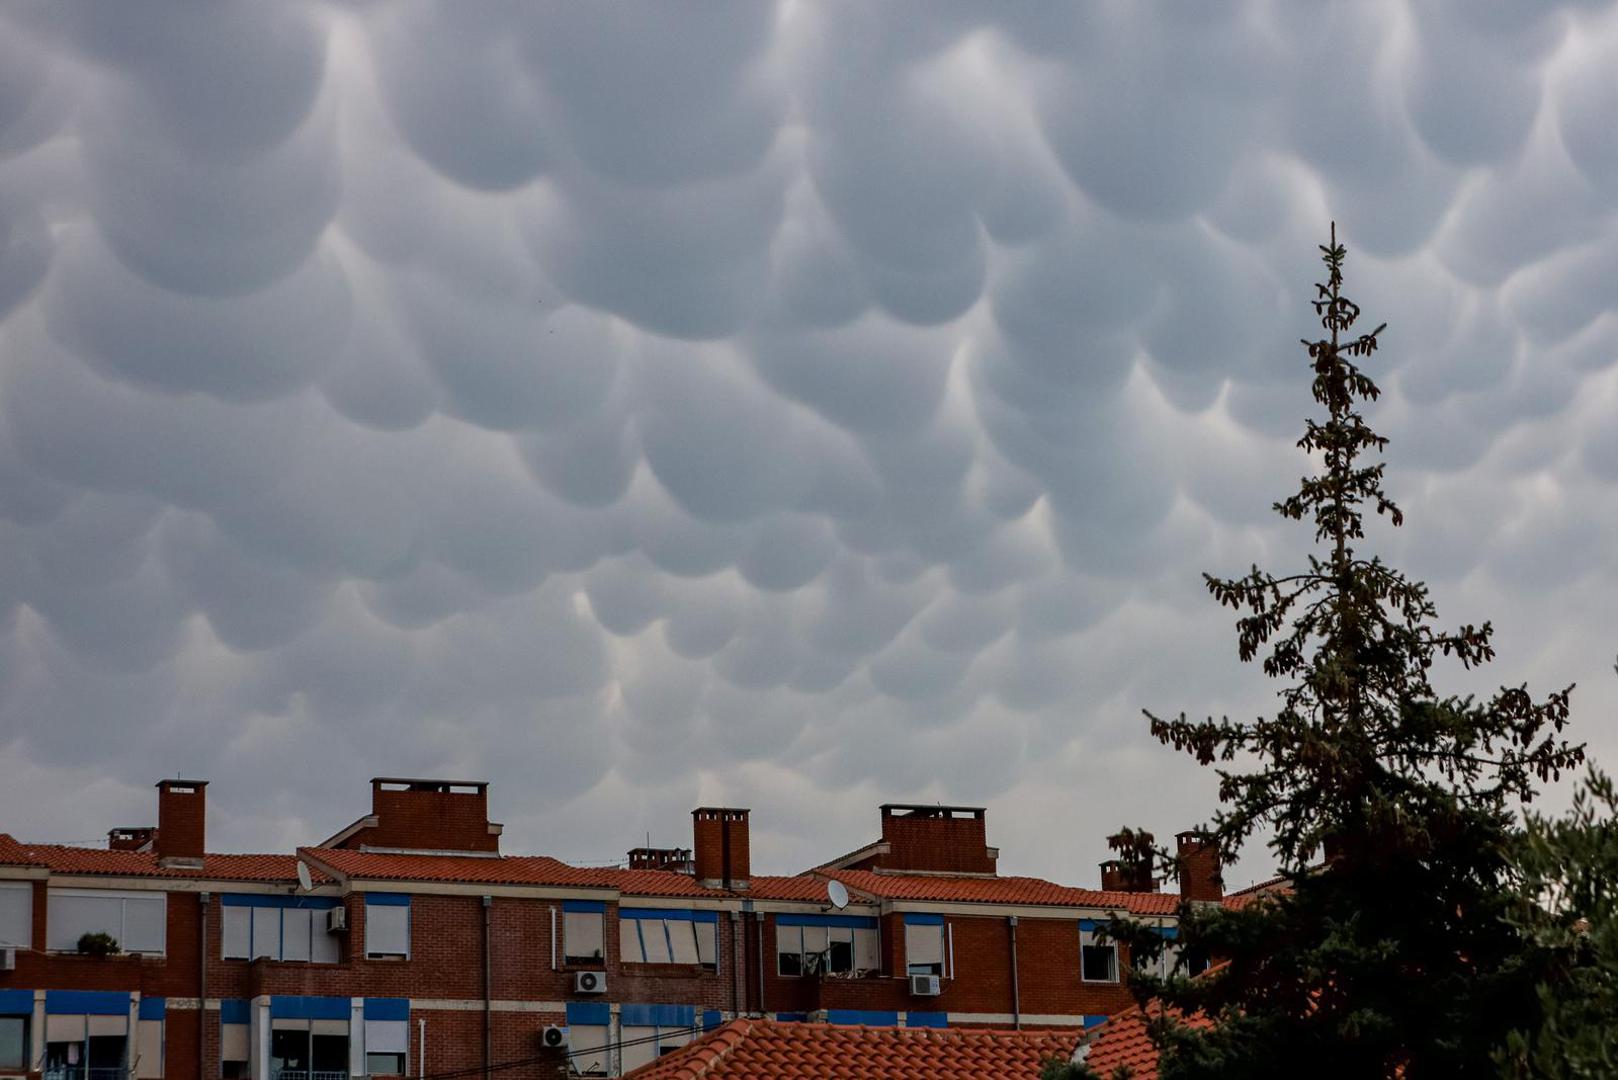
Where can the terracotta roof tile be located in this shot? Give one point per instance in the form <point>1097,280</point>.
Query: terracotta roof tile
<point>767,1050</point>
<point>506,870</point>
<point>1124,1042</point>
<point>61,859</point>
<point>1001,890</point>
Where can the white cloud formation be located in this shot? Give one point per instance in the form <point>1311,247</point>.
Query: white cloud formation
<point>799,405</point>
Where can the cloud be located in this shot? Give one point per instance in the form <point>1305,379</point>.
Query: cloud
<point>800,406</point>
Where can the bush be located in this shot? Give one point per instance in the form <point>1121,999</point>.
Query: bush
<point>98,943</point>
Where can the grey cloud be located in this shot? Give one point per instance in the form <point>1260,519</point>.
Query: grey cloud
<point>802,405</point>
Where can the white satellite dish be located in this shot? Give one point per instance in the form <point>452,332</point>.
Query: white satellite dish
<point>837,893</point>
<point>305,882</point>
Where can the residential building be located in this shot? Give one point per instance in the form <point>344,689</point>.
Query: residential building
<point>407,944</point>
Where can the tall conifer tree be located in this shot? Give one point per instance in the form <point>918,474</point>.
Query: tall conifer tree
<point>1387,805</point>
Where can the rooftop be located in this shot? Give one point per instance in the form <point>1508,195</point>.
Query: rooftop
<point>766,1050</point>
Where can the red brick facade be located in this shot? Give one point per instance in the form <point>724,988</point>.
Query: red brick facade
<point>496,970</point>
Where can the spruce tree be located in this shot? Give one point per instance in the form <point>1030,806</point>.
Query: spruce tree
<point>1388,806</point>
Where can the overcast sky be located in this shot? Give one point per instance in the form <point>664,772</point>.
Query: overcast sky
<point>799,406</point>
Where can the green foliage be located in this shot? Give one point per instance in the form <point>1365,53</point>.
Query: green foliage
<point>1567,880</point>
<point>1392,957</point>
<point>98,943</point>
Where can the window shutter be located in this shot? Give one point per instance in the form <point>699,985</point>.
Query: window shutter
<point>387,930</point>
<point>654,940</point>
<point>295,925</point>
<point>639,1044</point>
<point>682,941</point>
<point>149,1048</point>
<point>266,932</point>
<point>582,936</point>
<point>587,1047</point>
<point>237,930</point>
<point>924,945</point>
<point>233,1042</point>
<point>629,950</point>
<point>322,946</point>
<point>387,1036</point>
<point>16,915</point>
<point>707,950</point>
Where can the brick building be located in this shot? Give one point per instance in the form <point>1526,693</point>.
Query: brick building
<point>407,944</point>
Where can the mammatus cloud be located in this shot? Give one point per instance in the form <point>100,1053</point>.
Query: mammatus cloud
<point>797,405</point>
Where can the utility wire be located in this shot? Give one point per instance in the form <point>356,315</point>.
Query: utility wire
<point>539,1059</point>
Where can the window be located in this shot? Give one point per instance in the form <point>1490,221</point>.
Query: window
<point>1098,960</point>
<point>924,945</point>
<point>16,914</point>
<point>648,936</point>
<point>825,944</point>
<point>136,920</point>
<point>14,1043</point>
<point>385,1064</point>
<point>583,939</point>
<point>387,926</point>
<point>587,1036</point>
<point>647,1032</point>
<point>277,927</point>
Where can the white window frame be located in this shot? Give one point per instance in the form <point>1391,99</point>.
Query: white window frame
<point>1087,940</point>
<point>121,934</point>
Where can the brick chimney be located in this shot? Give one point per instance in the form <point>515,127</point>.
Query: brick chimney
<point>130,837</point>
<point>1117,875</point>
<point>182,821</point>
<point>1199,868</point>
<point>677,860</point>
<point>720,844</point>
<point>940,839</point>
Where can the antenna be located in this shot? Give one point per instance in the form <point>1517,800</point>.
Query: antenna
<point>837,893</point>
<point>305,882</point>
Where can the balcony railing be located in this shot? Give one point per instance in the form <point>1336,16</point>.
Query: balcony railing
<point>306,1074</point>
<point>79,1072</point>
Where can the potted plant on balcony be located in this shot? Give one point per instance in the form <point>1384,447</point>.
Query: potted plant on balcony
<point>98,943</point>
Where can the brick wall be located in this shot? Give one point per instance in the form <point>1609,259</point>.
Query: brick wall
<point>428,818</point>
<point>943,841</point>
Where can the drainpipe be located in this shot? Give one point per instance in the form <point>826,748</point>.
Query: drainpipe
<point>738,959</point>
<point>202,986</point>
<point>1016,996</point>
<point>762,1011</point>
<point>421,1041</point>
<point>488,1004</point>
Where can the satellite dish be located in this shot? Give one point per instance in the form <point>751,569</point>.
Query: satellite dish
<point>305,882</point>
<point>836,892</point>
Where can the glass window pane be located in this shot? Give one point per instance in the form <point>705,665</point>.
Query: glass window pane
<point>840,952</point>
<point>385,1064</point>
<point>14,1043</point>
<point>707,951</point>
<point>789,950</point>
<point>582,936</point>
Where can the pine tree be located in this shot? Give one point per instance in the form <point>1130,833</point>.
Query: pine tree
<point>1566,885</point>
<point>1388,806</point>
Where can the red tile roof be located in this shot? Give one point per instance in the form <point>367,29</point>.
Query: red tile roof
<point>769,1050</point>
<point>805,887</point>
<point>1001,890</point>
<point>61,859</point>
<point>505,870</point>
<point>1124,1042</point>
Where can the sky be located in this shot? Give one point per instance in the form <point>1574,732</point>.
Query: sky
<point>800,406</point>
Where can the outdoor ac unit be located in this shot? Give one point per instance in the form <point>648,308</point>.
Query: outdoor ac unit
<point>590,982</point>
<point>336,920</point>
<point>553,1037</point>
<point>924,986</point>
<point>8,959</point>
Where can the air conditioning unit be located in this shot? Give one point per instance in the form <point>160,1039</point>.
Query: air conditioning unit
<point>924,986</point>
<point>553,1037</point>
<point>590,982</point>
<point>8,959</point>
<point>336,920</point>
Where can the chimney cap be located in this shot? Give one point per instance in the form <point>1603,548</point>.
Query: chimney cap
<point>413,783</point>
<point>737,810</point>
<point>164,785</point>
<point>927,810</point>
